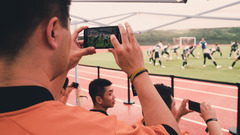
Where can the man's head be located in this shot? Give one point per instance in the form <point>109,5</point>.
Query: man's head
<point>23,17</point>
<point>36,29</point>
<point>101,93</point>
<point>166,93</point>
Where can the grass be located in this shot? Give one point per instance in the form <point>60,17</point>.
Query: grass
<point>173,67</point>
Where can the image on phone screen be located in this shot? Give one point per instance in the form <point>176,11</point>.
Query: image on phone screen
<point>99,37</point>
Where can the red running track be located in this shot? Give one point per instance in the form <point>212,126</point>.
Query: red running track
<point>222,97</point>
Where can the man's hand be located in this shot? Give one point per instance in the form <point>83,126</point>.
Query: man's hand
<point>77,50</point>
<point>207,111</point>
<point>128,55</point>
<point>182,110</point>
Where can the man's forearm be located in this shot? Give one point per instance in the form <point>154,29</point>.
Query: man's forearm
<point>154,108</point>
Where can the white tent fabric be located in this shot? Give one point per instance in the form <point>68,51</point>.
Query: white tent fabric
<point>157,16</point>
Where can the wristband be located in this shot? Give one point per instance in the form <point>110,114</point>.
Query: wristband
<point>211,119</point>
<point>137,73</point>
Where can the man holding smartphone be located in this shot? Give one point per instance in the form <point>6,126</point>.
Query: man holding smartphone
<point>205,110</point>
<point>67,89</point>
<point>36,54</point>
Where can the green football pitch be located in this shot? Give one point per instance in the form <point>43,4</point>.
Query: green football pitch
<point>173,67</point>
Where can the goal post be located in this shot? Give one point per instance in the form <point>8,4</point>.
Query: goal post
<point>184,41</point>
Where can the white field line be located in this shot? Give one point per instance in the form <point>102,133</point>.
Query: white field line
<point>179,80</point>
<point>210,93</point>
<point>197,82</point>
<point>186,119</point>
<point>218,107</point>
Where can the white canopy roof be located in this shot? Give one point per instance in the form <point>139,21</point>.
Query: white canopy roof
<point>153,16</point>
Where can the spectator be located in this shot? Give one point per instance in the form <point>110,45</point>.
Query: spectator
<point>101,92</point>
<point>36,54</point>
<point>207,113</point>
<point>67,89</point>
<point>166,93</point>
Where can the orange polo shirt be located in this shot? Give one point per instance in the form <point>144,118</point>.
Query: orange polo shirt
<point>55,118</point>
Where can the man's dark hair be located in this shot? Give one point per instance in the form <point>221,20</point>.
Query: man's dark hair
<point>21,17</point>
<point>165,92</point>
<point>97,88</point>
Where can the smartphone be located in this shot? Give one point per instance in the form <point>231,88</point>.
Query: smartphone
<point>195,106</point>
<point>99,37</point>
<point>75,85</point>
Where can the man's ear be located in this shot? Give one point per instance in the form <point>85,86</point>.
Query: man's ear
<point>99,99</point>
<point>52,31</point>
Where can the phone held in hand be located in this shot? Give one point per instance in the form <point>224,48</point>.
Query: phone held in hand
<point>99,37</point>
<point>75,85</point>
<point>195,106</point>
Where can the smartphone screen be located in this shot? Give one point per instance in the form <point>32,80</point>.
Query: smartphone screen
<point>195,106</point>
<point>99,37</point>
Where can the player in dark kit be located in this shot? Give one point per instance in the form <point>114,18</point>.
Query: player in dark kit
<point>216,49</point>
<point>207,54</point>
<point>236,59</point>
<point>234,47</point>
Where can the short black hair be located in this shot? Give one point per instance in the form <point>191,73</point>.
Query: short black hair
<point>97,88</point>
<point>21,17</point>
<point>165,92</point>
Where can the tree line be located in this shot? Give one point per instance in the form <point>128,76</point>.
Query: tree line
<point>211,35</point>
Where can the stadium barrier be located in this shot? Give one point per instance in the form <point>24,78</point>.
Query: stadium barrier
<point>233,130</point>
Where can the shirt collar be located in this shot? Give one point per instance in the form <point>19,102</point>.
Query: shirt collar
<point>20,97</point>
<point>94,110</point>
